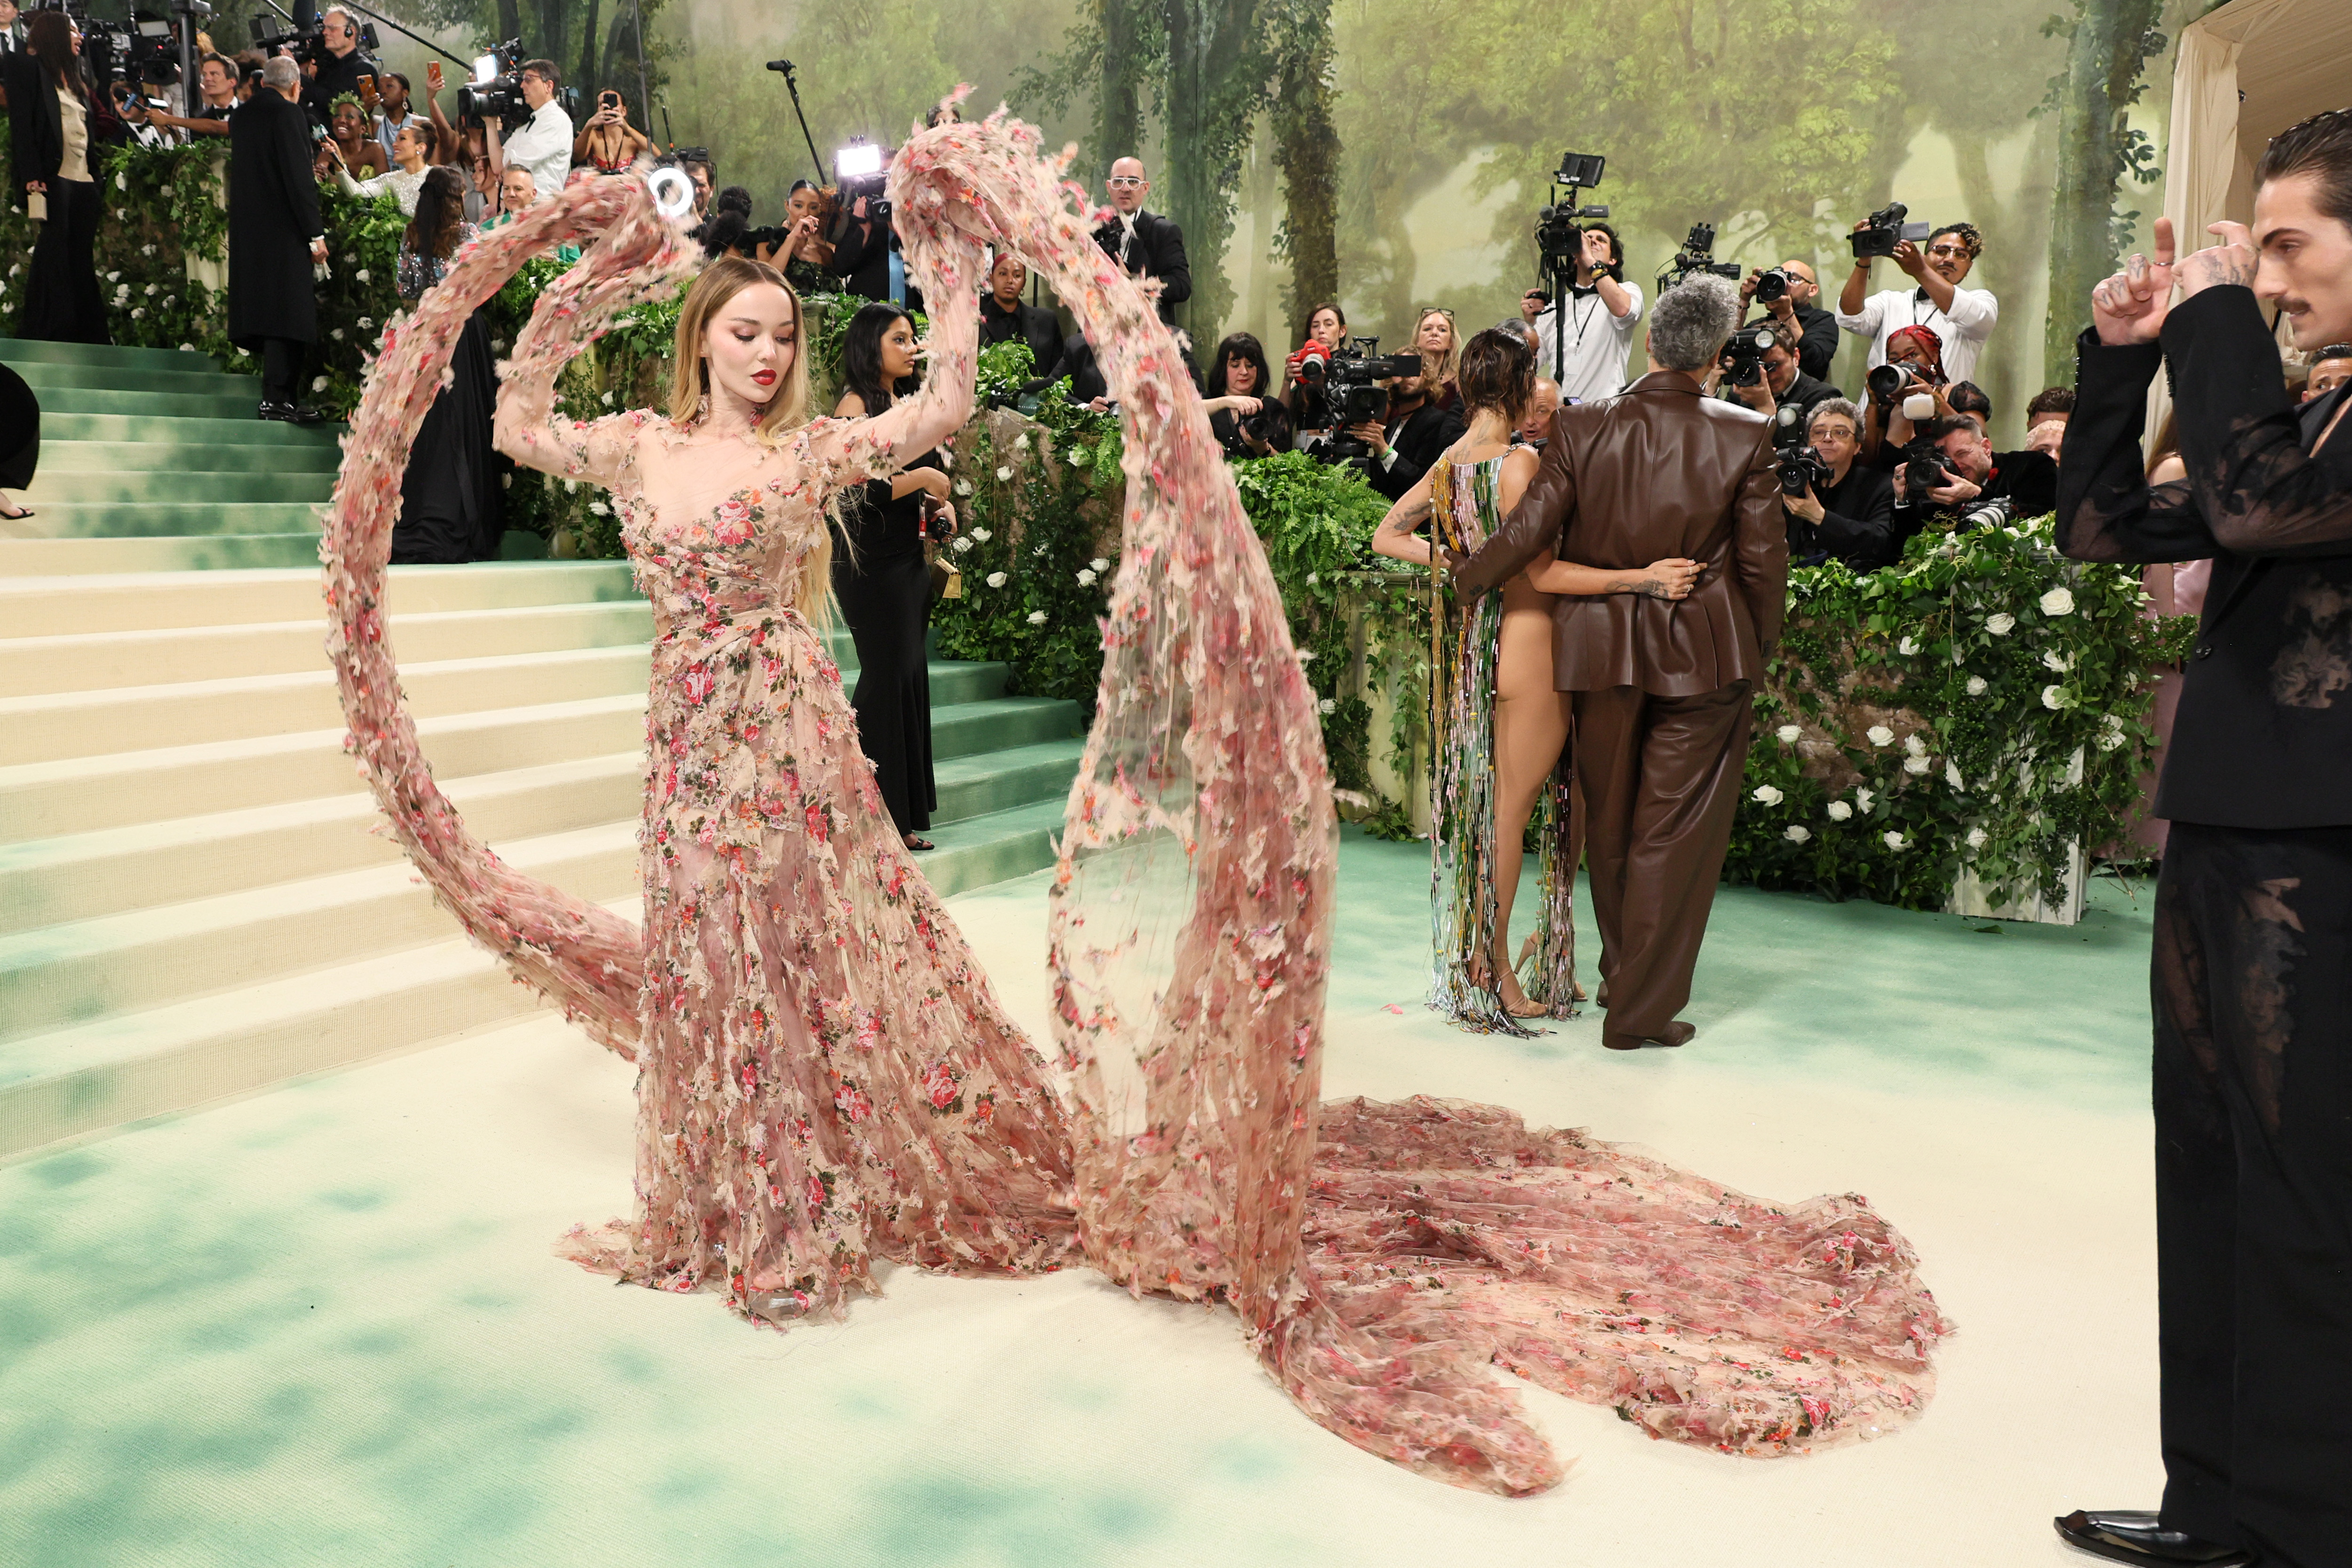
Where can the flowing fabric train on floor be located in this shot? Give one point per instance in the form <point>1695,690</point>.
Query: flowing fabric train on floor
<point>1379,1257</point>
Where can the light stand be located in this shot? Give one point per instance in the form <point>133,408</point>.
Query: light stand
<point>185,15</point>
<point>784,69</point>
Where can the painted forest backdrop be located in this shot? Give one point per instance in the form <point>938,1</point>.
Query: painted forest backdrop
<point>1394,152</point>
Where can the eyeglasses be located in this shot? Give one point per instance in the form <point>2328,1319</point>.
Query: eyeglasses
<point>1949,250</point>
<point>1125,180</point>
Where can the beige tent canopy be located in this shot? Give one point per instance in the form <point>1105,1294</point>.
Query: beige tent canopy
<point>2244,73</point>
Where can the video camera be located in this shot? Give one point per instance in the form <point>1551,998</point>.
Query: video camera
<point>1697,257</point>
<point>1884,229</point>
<point>306,33</point>
<point>860,170</point>
<point>1559,225</point>
<point>1347,387</point>
<point>143,48</point>
<point>495,91</point>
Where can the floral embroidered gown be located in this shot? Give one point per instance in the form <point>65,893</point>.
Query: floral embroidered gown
<point>825,1077</point>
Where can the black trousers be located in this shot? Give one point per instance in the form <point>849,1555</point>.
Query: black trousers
<point>281,369</point>
<point>887,604</point>
<point>2253,981</point>
<point>62,303</point>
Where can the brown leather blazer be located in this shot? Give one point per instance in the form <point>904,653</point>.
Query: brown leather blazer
<point>1654,472</point>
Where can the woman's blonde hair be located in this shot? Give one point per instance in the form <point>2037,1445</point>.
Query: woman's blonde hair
<point>787,411</point>
<point>1448,366</point>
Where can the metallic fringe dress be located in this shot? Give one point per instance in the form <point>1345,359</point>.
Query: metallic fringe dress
<point>1465,643</point>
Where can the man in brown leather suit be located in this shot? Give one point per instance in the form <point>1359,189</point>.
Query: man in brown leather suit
<point>1661,688</point>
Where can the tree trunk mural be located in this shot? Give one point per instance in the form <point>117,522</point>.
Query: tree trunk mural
<point>1306,150</point>
<point>2096,149</point>
<point>1216,79</point>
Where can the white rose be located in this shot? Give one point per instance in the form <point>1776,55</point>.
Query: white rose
<point>2053,698</point>
<point>318,383</point>
<point>1796,833</point>
<point>1893,840</point>
<point>600,509</point>
<point>964,487</point>
<point>1906,647</point>
<point>1086,578</point>
<point>571,487</point>
<point>111,278</point>
<point>1916,766</point>
<point>2056,661</point>
<point>1766,794</point>
<point>2112,734</point>
<point>170,300</point>
<point>136,314</point>
<point>1879,734</point>
<point>2058,602</point>
<point>1004,474</point>
<point>146,250</point>
<point>1978,837</point>
<point>1915,745</point>
<point>1977,684</point>
<point>982,535</point>
<point>1036,618</point>
<point>996,579</point>
<point>187,348</point>
<point>1325,705</point>
<point>1952,774</point>
<point>1840,811</point>
<point>1307,656</point>
<point>1021,442</point>
<point>961,546</point>
<point>361,276</point>
<point>1863,796</point>
<point>367,323</point>
<point>608,400</point>
<point>1100,565</point>
<point>2002,624</point>
<point>1788,734</point>
<point>149,291</point>
<point>120,184</point>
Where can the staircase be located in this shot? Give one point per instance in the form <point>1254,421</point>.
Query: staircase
<point>192,904</point>
<point>152,461</point>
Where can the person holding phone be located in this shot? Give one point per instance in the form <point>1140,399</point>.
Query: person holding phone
<point>608,141</point>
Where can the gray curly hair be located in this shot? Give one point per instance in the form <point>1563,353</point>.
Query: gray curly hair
<point>1692,323</point>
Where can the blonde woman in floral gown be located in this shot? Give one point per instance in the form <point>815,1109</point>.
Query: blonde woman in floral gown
<point>825,1077</point>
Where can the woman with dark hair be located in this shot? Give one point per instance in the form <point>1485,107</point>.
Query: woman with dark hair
<point>451,508</point>
<point>49,114</point>
<point>806,254</point>
<point>1247,419</point>
<point>1916,355</point>
<point>1503,726</point>
<point>881,581</point>
<point>728,230</point>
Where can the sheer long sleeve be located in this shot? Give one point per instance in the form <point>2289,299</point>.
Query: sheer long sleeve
<point>639,257</point>
<point>2106,511</point>
<point>844,451</point>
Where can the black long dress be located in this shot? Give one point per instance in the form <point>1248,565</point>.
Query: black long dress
<point>20,431</point>
<point>885,590</point>
<point>451,509</point>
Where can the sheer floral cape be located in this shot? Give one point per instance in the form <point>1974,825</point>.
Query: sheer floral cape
<point>1380,1257</point>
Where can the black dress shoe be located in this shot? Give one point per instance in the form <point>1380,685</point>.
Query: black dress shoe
<point>2133,1535</point>
<point>280,411</point>
<point>1675,1033</point>
<point>305,415</point>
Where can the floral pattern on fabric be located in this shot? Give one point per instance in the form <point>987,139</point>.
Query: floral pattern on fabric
<point>824,1077</point>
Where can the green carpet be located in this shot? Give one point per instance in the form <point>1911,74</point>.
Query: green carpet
<point>323,1325</point>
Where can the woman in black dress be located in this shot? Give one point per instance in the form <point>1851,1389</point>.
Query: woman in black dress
<point>881,581</point>
<point>53,150</point>
<point>1246,418</point>
<point>451,509</point>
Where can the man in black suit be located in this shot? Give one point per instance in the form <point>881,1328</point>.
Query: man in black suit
<point>1004,318</point>
<point>1415,435</point>
<point>1147,243</point>
<point>274,238</point>
<point>2252,960</point>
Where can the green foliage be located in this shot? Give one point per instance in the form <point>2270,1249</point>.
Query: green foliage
<point>1985,704</point>
<point>358,297</point>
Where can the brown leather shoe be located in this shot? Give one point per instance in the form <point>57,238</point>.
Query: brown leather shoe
<point>1675,1033</point>
<point>2129,1535</point>
<point>1601,996</point>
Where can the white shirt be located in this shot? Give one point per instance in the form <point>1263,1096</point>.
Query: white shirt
<point>1974,313</point>
<point>1598,343</point>
<point>544,145</point>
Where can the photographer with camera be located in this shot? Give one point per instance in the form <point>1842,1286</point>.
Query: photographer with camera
<point>1413,434</point>
<point>50,150</point>
<point>1961,319</point>
<point>1789,295</point>
<point>1839,509</point>
<point>1004,318</point>
<point>1902,395</point>
<point>1602,311</point>
<point>1761,371</point>
<point>335,66</point>
<point>1247,421</point>
<point>1951,479</point>
<point>542,143</point>
<point>274,238</point>
<point>608,143</point>
<point>1305,370</point>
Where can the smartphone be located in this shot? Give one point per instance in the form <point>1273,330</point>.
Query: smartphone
<point>609,99</point>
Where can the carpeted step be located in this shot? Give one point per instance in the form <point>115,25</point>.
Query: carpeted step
<point>964,729</point>
<point>161,519</point>
<point>169,457</point>
<point>44,376</point>
<point>151,403</point>
<point>160,487</point>
<point>995,848</point>
<point>180,431</point>
<point>127,362</point>
<point>201,553</point>
<point>138,602</point>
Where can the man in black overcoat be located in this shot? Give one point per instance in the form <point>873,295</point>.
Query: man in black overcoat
<point>2252,954</point>
<point>274,238</point>
<point>1145,244</point>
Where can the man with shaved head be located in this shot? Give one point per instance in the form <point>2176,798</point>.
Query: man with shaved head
<point>1799,317</point>
<point>1147,243</point>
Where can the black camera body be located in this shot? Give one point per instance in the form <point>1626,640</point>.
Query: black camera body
<point>1884,230</point>
<point>854,182</point>
<point>1697,257</point>
<point>309,40</point>
<point>500,98</point>
<point>1559,234</point>
<point>1801,468</point>
<point>1771,285</point>
<point>1352,393</point>
<point>1924,470</point>
<point>1743,356</point>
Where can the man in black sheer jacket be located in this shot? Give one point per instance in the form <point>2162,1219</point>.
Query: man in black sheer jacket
<point>2252,959</point>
